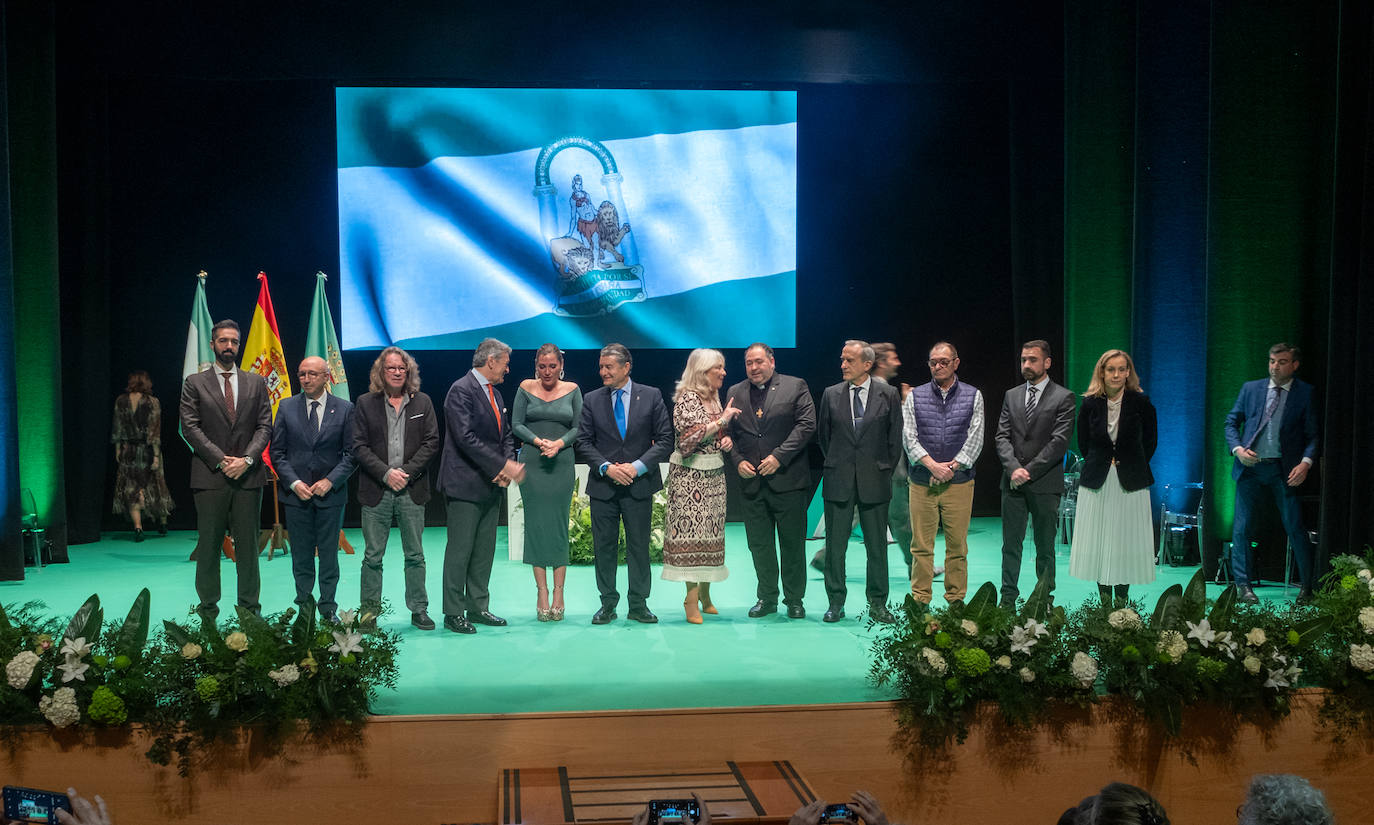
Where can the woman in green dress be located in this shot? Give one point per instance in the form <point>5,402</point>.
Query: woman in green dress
<point>547,411</point>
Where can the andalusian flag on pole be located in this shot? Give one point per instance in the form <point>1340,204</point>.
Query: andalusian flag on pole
<point>321,339</point>
<point>200,353</point>
<point>262,350</point>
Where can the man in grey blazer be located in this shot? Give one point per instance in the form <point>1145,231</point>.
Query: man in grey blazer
<point>1032,436</point>
<point>859,428</point>
<point>226,419</point>
<point>770,435</point>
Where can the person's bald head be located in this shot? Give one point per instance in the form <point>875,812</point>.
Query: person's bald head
<point>314,376</point>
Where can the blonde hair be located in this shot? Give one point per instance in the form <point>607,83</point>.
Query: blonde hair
<point>1098,386</point>
<point>693,379</point>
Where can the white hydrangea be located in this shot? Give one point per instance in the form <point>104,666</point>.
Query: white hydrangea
<point>1084,669</point>
<point>236,641</point>
<point>1256,637</point>
<point>1027,675</point>
<point>1124,619</point>
<point>1362,657</point>
<point>1003,662</point>
<point>60,708</point>
<point>1172,643</point>
<point>1367,619</point>
<point>969,627</point>
<point>1364,575</point>
<point>934,660</point>
<point>191,650</point>
<point>286,676</point>
<point>20,669</point>
<point>1251,665</point>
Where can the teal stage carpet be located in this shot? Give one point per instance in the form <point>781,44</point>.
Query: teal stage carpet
<point>731,660</point>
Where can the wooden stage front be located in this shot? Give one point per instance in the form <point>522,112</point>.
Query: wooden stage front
<point>427,770</point>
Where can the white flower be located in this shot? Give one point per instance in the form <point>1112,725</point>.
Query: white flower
<point>346,617</point>
<point>1124,619</point>
<point>73,668</point>
<point>1203,632</point>
<point>1282,677</point>
<point>934,661</point>
<point>1367,619</point>
<point>1255,637</point>
<point>1003,662</point>
<point>1364,575</point>
<point>1035,628</point>
<point>287,675</point>
<point>1172,643</point>
<point>1027,675</point>
<point>75,647</point>
<point>1021,641</point>
<point>346,643</point>
<point>1084,669</point>
<point>20,669</point>
<point>190,650</point>
<point>1227,645</point>
<point>1362,657</point>
<point>236,641</point>
<point>60,708</point>
<point>969,627</point>
<point>1251,665</point>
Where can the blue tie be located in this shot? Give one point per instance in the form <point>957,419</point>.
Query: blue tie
<point>620,412</point>
<point>858,409</point>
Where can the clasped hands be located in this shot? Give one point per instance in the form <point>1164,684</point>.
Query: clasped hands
<point>940,471</point>
<point>549,448</point>
<point>233,466</point>
<point>767,467</point>
<point>305,492</point>
<point>512,473</point>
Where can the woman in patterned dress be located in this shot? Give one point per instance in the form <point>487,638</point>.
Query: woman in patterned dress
<point>694,524</point>
<point>137,436</point>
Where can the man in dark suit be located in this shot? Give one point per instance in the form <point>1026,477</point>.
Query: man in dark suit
<point>1032,436</point>
<point>478,461</point>
<point>226,419</point>
<point>1272,432</point>
<point>310,452</point>
<point>395,435</point>
<point>625,434</point>
<point>770,438</point>
<point>859,428</point>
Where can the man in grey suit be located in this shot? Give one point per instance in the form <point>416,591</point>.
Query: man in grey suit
<point>310,452</point>
<point>478,461</point>
<point>1032,436</point>
<point>859,428</point>
<point>226,419</point>
<point>770,438</point>
<point>625,434</point>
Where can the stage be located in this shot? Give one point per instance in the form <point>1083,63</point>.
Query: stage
<point>730,661</point>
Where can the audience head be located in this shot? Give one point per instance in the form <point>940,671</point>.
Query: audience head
<point>703,374</point>
<point>1120,804</point>
<point>614,365</point>
<point>759,364</point>
<point>1114,372</point>
<point>139,382</point>
<point>1283,799</point>
<point>394,372</point>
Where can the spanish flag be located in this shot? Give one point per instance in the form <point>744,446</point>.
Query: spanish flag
<point>262,350</point>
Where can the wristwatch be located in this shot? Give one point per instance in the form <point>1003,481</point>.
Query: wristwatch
<point>248,460</point>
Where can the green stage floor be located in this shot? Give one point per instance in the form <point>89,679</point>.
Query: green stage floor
<point>731,660</point>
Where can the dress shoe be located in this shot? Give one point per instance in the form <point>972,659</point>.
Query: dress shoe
<point>605,615</point>
<point>762,608</point>
<point>138,535</point>
<point>879,613</point>
<point>458,624</point>
<point>162,529</point>
<point>420,620</point>
<point>1245,593</point>
<point>640,614</point>
<point>486,617</point>
<point>834,614</point>
<point>796,611</point>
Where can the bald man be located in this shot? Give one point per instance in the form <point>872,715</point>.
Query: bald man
<point>311,453</point>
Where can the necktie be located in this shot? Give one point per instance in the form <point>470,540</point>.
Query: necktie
<point>1269,407</point>
<point>315,416</point>
<point>495,408</point>
<point>858,408</point>
<point>620,412</point>
<point>1030,402</point>
<point>228,396</point>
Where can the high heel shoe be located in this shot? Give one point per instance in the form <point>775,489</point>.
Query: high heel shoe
<point>689,606</point>
<point>704,598</point>
<point>556,613</point>
<point>543,614</point>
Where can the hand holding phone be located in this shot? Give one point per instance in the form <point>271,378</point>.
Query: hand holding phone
<point>32,805</point>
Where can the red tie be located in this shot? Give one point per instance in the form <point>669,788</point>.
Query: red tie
<point>229,396</point>
<point>495,408</point>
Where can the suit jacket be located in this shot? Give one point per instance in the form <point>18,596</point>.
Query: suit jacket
<point>1038,444</point>
<point>784,430</point>
<point>859,462</point>
<point>1297,431</point>
<point>1136,439</point>
<point>648,438</point>
<point>206,427</point>
<point>370,448</point>
<point>477,444</point>
<point>302,453</point>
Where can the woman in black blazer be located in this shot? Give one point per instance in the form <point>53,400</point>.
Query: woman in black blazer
<point>1113,540</point>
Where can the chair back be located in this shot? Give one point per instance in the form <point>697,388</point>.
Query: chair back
<point>28,509</point>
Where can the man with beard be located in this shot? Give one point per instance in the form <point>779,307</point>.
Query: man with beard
<point>227,420</point>
<point>1032,436</point>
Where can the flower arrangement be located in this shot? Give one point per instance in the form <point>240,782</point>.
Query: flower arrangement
<point>1348,666</point>
<point>194,683</point>
<point>580,529</point>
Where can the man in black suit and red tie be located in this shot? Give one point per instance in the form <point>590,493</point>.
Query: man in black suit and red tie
<point>859,428</point>
<point>478,461</point>
<point>625,434</point>
<point>226,418</point>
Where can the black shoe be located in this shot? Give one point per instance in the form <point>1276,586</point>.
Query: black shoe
<point>458,624</point>
<point>796,611</point>
<point>138,535</point>
<point>486,617</point>
<point>640,614</point>
<point>834,614</point>
<point>605,615</point>
<point>330,618</point>
<point>1245,593</point>
<point>880,613</point>
<point>1304,596</point>
<point>162,529</point>
<point>421,620</point>
<point>818,562</point>
<point>762,608</point>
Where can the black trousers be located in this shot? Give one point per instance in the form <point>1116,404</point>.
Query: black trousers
<point>1043,510</point>
<point>607,516</point>
<point>469,553</point>
<point>237,509</point>
<point>839,516</point>
<point>766,513</point>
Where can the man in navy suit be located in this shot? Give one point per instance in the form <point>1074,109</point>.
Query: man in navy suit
<point>625,434</point>
<point>1272,432</point>
<point>478,461</point>
<point>310,451</point>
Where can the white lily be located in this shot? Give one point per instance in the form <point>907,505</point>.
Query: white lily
<point>1202,631</point>
<point>75,647</point>
<point>346,643</point>
<point>73,669</point>
<point>346,617</point>
<point>1021,640</point>
<point>1036,628</point>
<point>1227,645</point>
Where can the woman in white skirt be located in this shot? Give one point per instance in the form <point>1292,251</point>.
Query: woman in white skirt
<point>1113,540</point>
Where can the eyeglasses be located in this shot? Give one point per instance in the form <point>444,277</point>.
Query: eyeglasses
<point>940,362</point>
<point>396,369</point>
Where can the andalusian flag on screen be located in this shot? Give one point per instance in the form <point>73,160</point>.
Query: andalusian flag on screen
<point>200,353</point>
<point>322,341</point>
<point>262,350</point>
<point>656,218</point>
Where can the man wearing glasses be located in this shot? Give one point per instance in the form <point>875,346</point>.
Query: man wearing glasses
<point>943,436</point>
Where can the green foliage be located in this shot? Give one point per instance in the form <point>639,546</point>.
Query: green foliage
<point>580,548</point>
